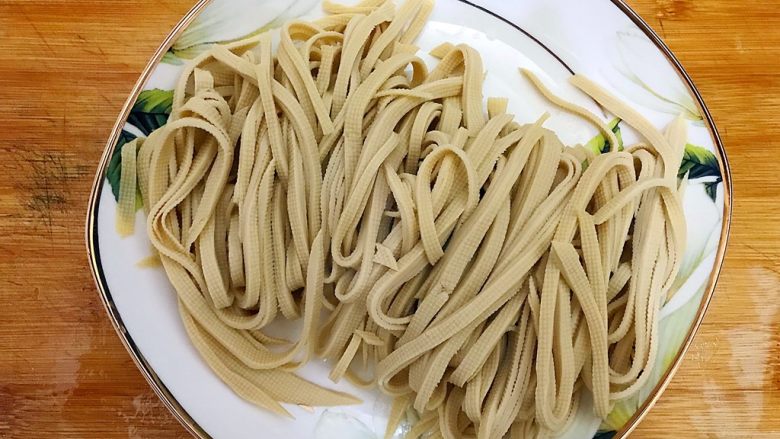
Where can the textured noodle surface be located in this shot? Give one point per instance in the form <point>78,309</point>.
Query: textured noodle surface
<point>476,269</point>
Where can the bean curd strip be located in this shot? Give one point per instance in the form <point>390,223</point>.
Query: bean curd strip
<point>476,269</point>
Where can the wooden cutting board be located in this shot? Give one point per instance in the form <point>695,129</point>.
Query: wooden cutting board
<point>66,68</point>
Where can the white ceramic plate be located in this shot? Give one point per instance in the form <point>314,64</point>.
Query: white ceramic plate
<point>603,39</point>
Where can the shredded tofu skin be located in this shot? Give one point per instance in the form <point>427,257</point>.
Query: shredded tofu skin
<point>474,268</point>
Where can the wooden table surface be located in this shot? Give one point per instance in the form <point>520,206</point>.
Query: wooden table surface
<point>65,71</point>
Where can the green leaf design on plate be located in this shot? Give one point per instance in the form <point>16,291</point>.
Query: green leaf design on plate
<point>712,189</point>
<point>171,58</point>
<point>179,56</point>
<point>599,143</point>
<point>605,435</point>
<point>149,113</point>
<point>151,110</point>
<point>114,172</point>
<point>699,162</point>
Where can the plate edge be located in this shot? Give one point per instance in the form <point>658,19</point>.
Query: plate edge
<point>717,267</point>
<point>93,252</point>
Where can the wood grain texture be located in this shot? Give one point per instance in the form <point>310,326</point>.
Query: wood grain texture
<point>65,72</point>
